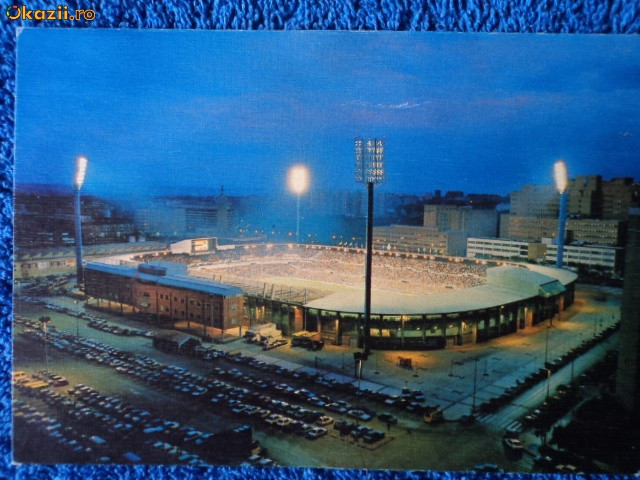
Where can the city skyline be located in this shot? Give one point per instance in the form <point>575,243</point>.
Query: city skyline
<point>197,110</point>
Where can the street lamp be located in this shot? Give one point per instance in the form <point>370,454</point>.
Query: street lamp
<point>475,373</point>
<point>81,170</point>
<point>561,178</point>
<point>298,184</point>
<point>546,347</point>
<point>44,322</point>
<point>370,170</point>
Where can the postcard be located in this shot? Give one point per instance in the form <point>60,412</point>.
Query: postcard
<point>405,251</point>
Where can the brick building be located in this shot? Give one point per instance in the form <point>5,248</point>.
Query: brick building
<point>165,291</point>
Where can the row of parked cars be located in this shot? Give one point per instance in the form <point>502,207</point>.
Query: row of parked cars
<point>552,409</point>
<point>408,400</point>
<point>104,326</point>
<point>224,396</point>
<point>357,432</point>
<point>119,431</point>
<point>303,395</point>
<point>249,403</point>
<point>61,441</point>
<point>508,395</point>
<point>94,321</point>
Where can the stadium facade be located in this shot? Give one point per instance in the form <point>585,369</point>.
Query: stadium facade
<point>513,296</point>
<point>163,292</point>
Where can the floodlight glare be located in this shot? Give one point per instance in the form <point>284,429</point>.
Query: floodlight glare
<point>562,182</point>
<point>81,170</point>
<point>298,179</point>
<point>298,184</point>
<point>560,174</point>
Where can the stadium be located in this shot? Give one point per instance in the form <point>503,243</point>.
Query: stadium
<point>418,301</point>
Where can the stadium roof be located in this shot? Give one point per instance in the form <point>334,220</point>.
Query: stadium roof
<point>171,280</point>
<point>199,284</point>
<point>562,274</point>
<point>529,284</point>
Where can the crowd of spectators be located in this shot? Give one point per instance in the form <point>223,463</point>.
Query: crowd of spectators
<point>390,273</point>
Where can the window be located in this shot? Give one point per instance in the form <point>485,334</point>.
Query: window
<point>182,300</point>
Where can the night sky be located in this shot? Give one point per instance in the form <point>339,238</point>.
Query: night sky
<point>187,111</point>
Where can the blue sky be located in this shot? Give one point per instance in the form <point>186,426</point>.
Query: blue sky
<point>192,110</point>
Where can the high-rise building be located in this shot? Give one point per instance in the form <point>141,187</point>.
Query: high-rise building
<point>617,196</point>
<point>585,230</point>
<point>441,217</point>
<point>595,231</point>
<point>179,217</point>
<point>536,201</point>
<point>46,219</point>
<point>415,239</point>
<point>628,374</point>
<point>585,196</point>
<point>476,223</point>
<point>527,228</point>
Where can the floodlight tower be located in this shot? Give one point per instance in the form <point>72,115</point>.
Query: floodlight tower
<point>369,171</point>
<point>298,184</point>
<point>81,170</point>
<point>561,178</point>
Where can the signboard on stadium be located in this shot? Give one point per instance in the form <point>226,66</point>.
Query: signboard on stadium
<point>200,245</point>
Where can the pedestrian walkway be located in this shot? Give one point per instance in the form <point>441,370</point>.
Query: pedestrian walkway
<point>510,414</point>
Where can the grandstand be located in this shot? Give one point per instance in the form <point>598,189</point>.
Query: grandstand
<point>419,301</point>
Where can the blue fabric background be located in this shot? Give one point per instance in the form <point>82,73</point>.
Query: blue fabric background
<point>548,16</point>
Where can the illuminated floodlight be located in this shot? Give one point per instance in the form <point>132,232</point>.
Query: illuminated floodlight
<point>298,183</point>
<point>369,160</point>
<point>560,175</point>
<point>81,170</point>
<point>561,178</point>
<point>298,179</point>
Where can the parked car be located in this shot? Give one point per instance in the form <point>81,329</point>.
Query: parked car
<point>316,432</point>
<point>324,420</point>
<point>373,436</point>
<point>514,445</point>
<point>387,418</point>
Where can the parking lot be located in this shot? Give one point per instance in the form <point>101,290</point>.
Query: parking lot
<point>324,386</point>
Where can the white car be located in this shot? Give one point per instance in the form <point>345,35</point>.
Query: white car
<point>282,422</point>
<point>324,420</point>
<point>316,432</point>
<point>514,444</point>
